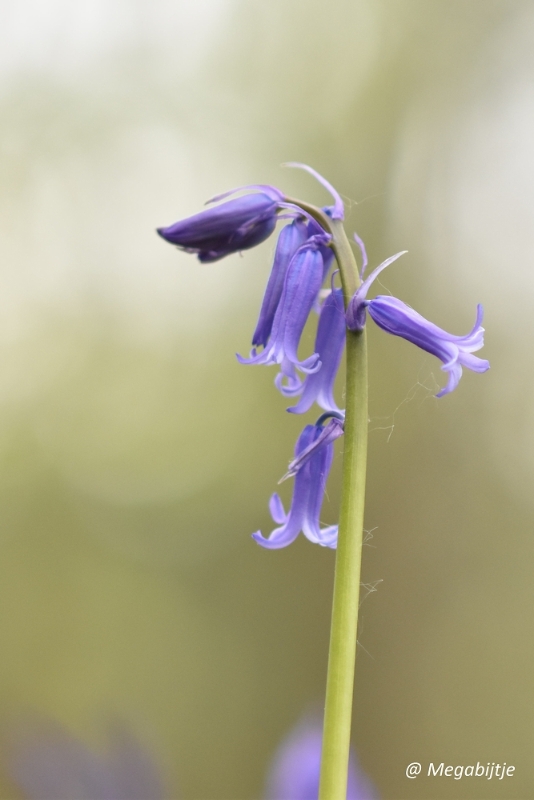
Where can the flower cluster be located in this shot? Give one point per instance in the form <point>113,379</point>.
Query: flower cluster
<point>302,263</point>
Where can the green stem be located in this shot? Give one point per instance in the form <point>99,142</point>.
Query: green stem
<point>343,632</point>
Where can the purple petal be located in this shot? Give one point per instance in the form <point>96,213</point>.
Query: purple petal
<point>473,363</point>
<point>292,524</point>
<point>301,286</point>
<point>318,468</point>
<point>232,226</point>
<point>327,537</point>
<point>271,191</point>
<point>330,432</point>
<point>287,381</point>
<point>308,492</point>
<point>329,344</point>
<point>280,537</point>
<point>455,373</point>
<point>243,239</point>
<point>290,239</point>
<point>303,281</point>
<point>395,317</point>
<point>277,509</point>
<point>363,251</point>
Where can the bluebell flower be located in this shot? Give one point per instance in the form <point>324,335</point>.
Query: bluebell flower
<point>232,226</point>
<point>394,316</point>
<point>308,492</point>
<point>295,770</point>
<point>329,343</point>
<point>291,238</point>
<point>302,283</point>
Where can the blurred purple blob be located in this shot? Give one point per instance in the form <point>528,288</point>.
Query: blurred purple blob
<point>48,763</point>
<point>295,770</point>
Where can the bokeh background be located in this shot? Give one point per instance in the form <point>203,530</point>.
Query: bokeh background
<point>137,456</point>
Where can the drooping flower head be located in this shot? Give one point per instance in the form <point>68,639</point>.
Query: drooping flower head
<point>295,770</point>
<point>232,226</point>
<point>308,492</point>
<point>394,316</point>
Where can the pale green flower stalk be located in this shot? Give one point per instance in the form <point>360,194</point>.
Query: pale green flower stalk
<point>343,631</point>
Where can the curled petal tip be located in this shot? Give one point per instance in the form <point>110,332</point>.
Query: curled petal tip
<point>363,251</point>
<point>271,191</point>
<point>338,211</point>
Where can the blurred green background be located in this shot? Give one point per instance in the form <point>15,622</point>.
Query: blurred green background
<point>137,456</point>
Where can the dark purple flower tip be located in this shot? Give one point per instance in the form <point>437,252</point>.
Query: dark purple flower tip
<point>329,343</point>
<point>336,211</point>
<point>334,428</point>
<point>237,224</point>
<point>308,492</point>
<point>395,317</point>
<point>296,767</point>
